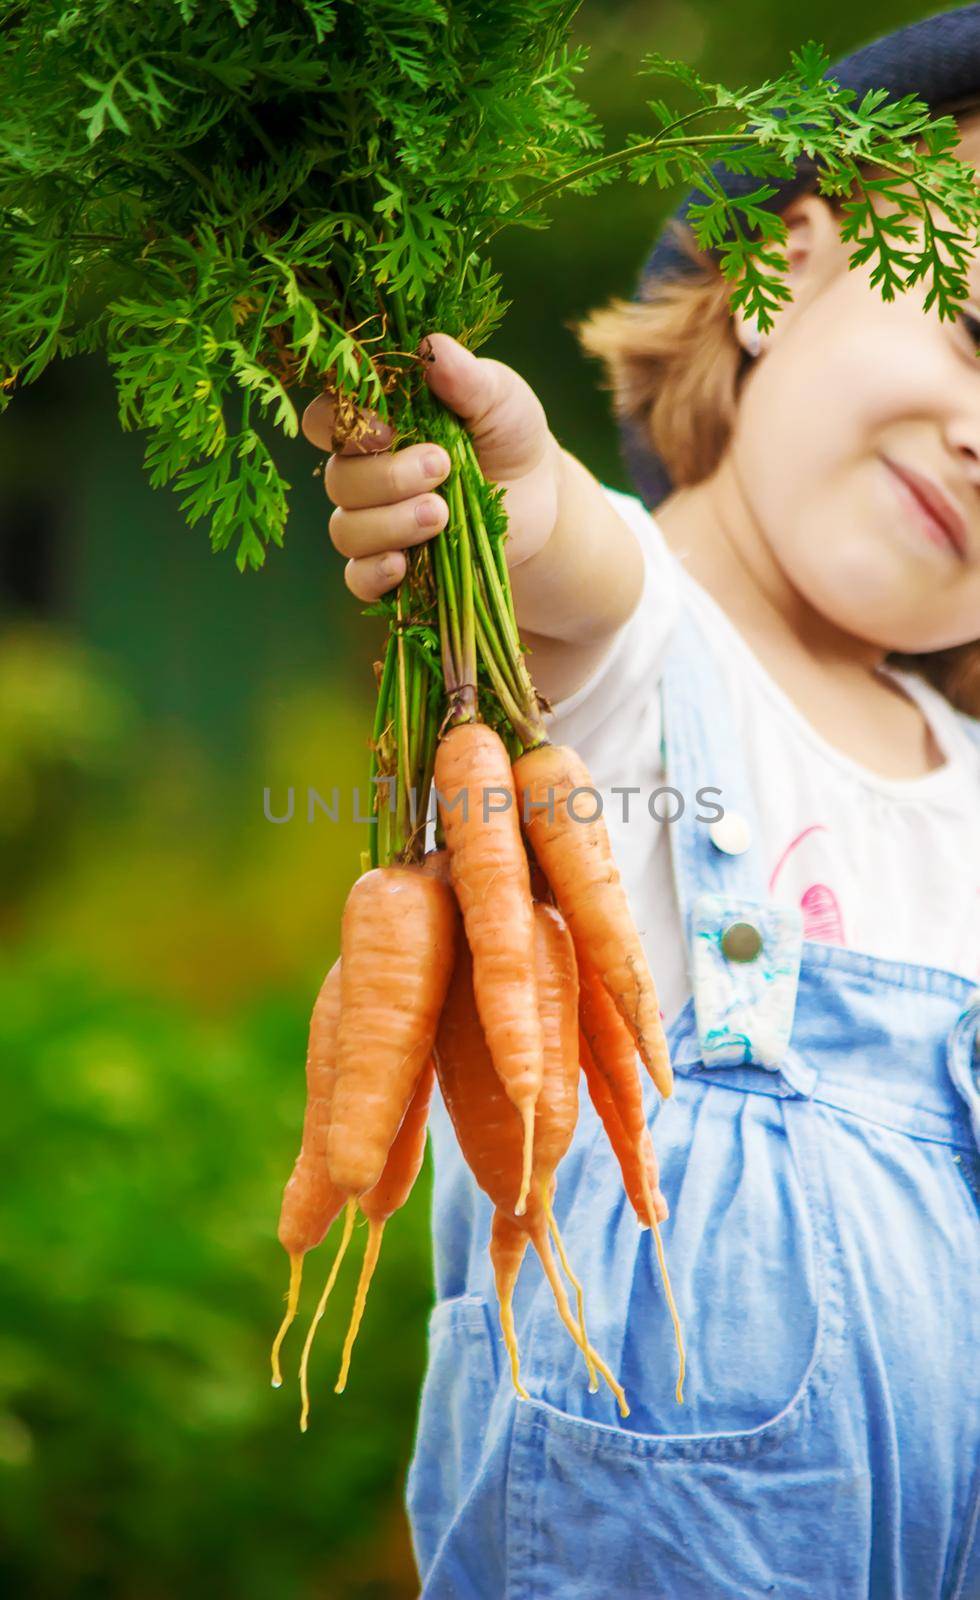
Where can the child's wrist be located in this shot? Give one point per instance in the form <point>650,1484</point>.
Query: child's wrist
<point>586,579</point>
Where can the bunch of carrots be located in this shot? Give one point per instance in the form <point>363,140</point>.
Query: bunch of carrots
<point>503,964</point>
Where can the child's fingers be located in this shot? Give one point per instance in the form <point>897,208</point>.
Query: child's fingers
<point>383,480</point>
<point>379,528</point>
<point>501,412</point>
<point>373,576</point>
<point>318,426</point>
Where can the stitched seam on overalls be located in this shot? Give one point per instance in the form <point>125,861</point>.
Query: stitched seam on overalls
<point>916,1132</point>
<point>906,975</point>
<point>969,1171</point>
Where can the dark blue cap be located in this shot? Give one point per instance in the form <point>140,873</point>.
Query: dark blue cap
<point>938,60</point>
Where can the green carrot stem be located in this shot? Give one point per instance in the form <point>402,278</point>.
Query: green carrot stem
<point>402,747</point>
<point>384,690</point>
<point>617,158</point>
<point>526,723</point>
<point>414,713</point>
<point>427,762</point>
<point>515,746</point>
<point>447,596</point>
<point>382,806</point>
<point>499,594</point>
<point>381,714</point>
<point>503,637</point>
<point>445,649</point>
<point>503,663</point>
<point>467,614</point>
<point>497,541</point>
<point>420,753</point>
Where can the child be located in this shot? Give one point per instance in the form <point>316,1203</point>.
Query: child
<point>797,633</point>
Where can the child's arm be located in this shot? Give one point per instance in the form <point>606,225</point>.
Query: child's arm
<point>576,567</point>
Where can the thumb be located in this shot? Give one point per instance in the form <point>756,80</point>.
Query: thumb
<point>503,415</point>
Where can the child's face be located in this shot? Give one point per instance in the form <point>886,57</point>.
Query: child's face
<point>846,384</point>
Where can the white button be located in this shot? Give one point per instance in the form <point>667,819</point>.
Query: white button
<point>730,833</point>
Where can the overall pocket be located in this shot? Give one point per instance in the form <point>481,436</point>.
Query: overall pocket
<point>731,1494</point>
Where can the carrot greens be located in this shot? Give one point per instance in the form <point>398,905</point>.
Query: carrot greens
<point>235,202</point>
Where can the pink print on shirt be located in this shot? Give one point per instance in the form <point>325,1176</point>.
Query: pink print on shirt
<point>822,917</point>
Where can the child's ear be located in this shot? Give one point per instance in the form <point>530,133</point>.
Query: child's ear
<point>813,243</point>
<point>814,253</point>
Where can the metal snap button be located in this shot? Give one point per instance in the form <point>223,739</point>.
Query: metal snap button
<point>741,941</point>
<point>730,833</point>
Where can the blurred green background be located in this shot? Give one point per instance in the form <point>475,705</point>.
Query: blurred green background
<point>161,944</point>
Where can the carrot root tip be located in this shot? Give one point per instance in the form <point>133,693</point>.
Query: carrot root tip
<point>375,1232</point>
<point>292,1302</point>
<point>587,1350</point>
<point>675,1319</point>
<point>351,1212</point>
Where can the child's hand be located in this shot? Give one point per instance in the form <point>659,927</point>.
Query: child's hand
<point>385,501</point>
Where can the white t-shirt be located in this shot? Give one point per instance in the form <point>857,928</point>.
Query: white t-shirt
<point>887,866</point>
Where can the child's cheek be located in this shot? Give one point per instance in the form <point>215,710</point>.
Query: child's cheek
<point>846,377</point>
<point>839,388</point>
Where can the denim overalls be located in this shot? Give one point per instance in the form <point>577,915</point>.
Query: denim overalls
<point>819,1156</point>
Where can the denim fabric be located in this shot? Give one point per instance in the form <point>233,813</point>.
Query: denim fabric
<point>824,1247</point>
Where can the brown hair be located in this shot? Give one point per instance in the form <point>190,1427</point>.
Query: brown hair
<point>675,369</point>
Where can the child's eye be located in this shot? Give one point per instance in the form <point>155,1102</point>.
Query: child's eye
<point>972,326</point>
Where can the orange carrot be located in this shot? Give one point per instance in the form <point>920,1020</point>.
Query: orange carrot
<point>388,1195</point>
<point>609,1055</point>
<point>490,876</point>
<point>489,1129</point>
<point>540,887</point>
<point>310,1201</point>
<point>508,1247</point>
<point>612,1057</point>
<point>397,942</point>
<point>558,994</point>
<point>640,1187</point>
<point>436,863</point>
<point>577,859</point>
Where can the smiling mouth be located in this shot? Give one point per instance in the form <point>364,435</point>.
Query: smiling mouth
<point>924,508</point>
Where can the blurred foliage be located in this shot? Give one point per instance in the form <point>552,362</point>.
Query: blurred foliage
<point>143,1452</point>
<point>63,727</point>
<point>161,944</point>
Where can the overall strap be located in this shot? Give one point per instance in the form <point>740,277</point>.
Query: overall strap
<point>744,951</point>
<point>700,750</point>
